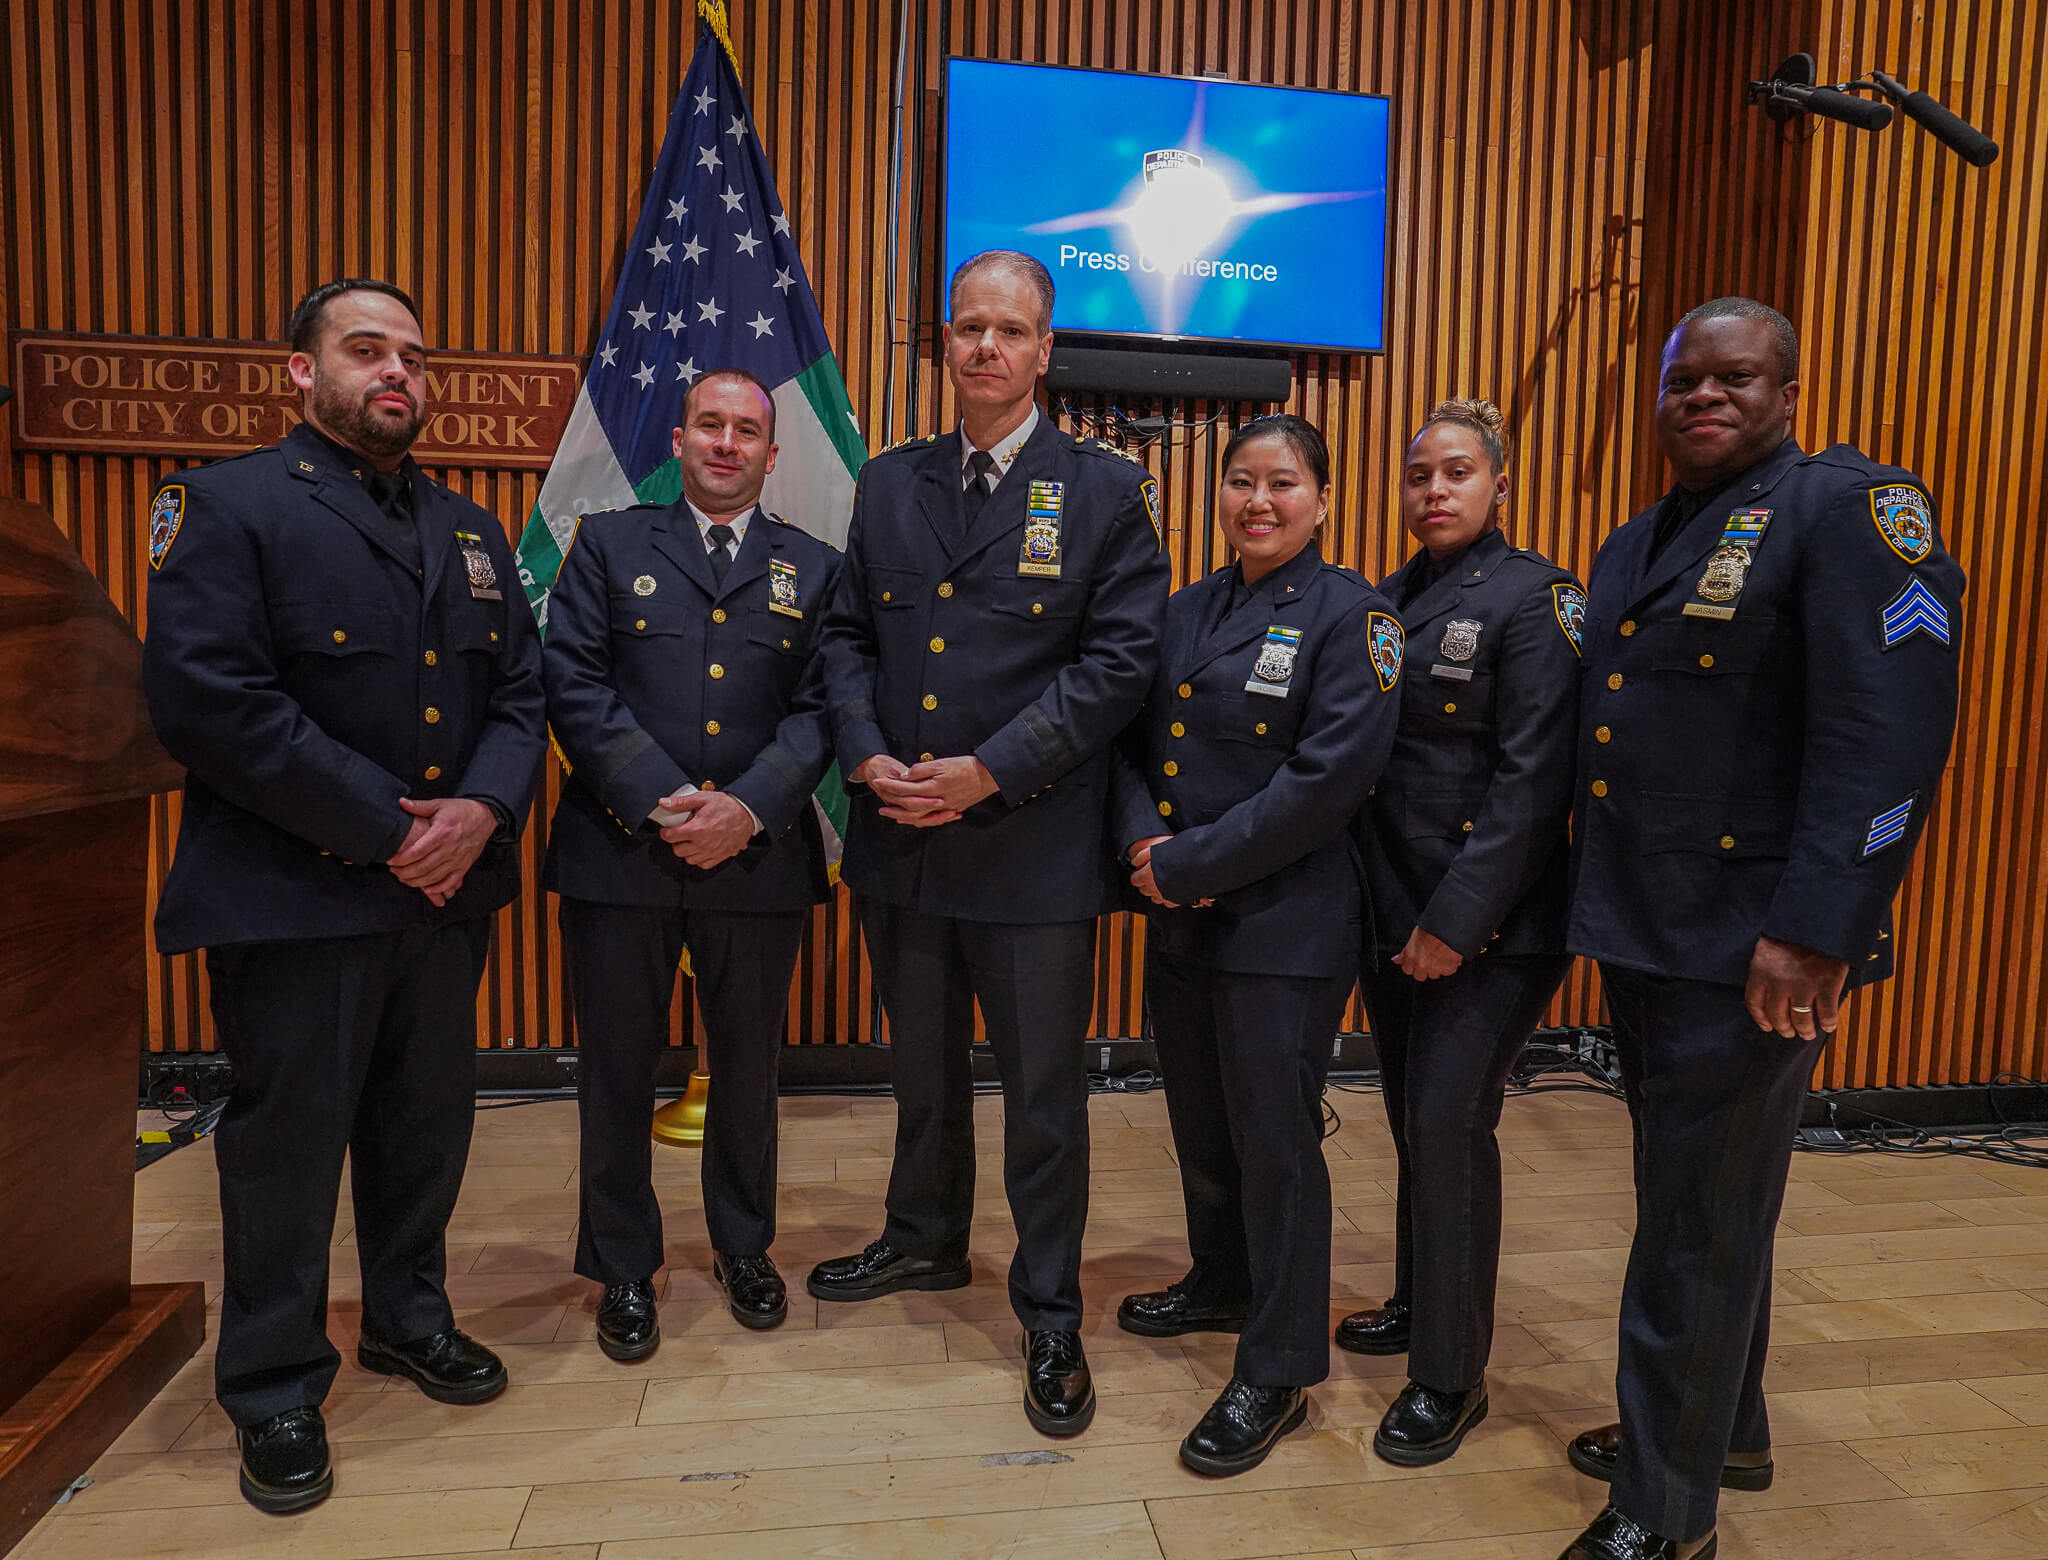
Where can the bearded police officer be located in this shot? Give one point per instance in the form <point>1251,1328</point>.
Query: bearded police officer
<point>679,642</point>
<point>340,655</point>
<point>1768,700</point>
<point>997,624</point>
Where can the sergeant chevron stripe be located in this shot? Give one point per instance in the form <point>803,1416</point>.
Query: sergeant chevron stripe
<point>1913,611</point>
<point>1888,828</point>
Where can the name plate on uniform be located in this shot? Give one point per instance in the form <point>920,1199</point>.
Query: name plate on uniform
<point>1728,570</point>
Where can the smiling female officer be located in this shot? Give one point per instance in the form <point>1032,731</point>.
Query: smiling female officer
<point>1272,713</point>
<point>1465,855</point>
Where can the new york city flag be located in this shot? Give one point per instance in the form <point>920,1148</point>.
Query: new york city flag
<point>711,280</point>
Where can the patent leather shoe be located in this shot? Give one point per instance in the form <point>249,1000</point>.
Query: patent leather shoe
<point>628,1322</point>
<point>1241,1427</point>
<point>1596,1453</point>
<point>450,1367</point>
<point>1426,1426</point>
<point>753,1289</point>
<point>1059,1394</point>
<point>285,1466</point>
<point>1382,1331</point>
<point>1169,1312</point>
<point>1612,1536</point>
<point>880,1269</point>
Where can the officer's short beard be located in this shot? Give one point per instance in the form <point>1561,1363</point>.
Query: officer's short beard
<point>352,421</point>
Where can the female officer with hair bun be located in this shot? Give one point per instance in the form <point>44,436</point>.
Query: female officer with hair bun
<point>1464,843</point>
<point>1234,794</point>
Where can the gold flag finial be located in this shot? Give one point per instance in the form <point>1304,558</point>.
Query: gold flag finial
<point>713,11</point>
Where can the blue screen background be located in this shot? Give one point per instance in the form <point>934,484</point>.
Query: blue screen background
<point>1031,145</point>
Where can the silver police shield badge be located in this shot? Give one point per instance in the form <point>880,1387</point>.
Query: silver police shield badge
<point>1275,663</point>
<point>1461,639</point>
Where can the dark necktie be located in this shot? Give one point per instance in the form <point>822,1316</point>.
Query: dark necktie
<point>392,494</point>
<point>980,463</point>
<point>721,560</point>
<point>1679,510</point>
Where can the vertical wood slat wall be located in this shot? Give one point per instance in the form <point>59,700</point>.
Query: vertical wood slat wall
<point>1568,175</point>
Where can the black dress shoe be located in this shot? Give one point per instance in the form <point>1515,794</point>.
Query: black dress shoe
<point>1597,1451</point>
<point>1059,1394</point>
<point>1612,1536</point>
<point>628,1322</point>
<point>450,1367</point>
<point>1426,1426</point>
<point>1384,1331</point>
<point>881,1269</point>
<point>285,1466</point>
<point>753,1289</point>
<point>1242,1426</point>
<point>1169,1312</point>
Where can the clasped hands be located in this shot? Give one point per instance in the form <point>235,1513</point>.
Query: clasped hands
<point>928,794</point>
<point>448,833</point>
<point>716,829</point>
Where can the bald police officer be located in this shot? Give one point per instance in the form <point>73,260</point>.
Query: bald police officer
<point>997,624</point>
<point>1768,697</point>
<point>341,657</point>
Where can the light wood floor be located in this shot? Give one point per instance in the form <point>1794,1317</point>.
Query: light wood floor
<point>1909,1380</point>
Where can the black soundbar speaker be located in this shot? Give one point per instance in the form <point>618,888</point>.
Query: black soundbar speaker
<point>1190,376</point>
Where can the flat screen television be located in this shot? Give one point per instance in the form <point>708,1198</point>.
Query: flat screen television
<point>1176,208</point>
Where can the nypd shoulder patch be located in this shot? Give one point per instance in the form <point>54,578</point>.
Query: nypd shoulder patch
<point>1889,826</point>
<point>1904,519</point>
<point>166,514</point>
<point>1569,603</point>
<point>1383,631</point>
<point>1914,610</point>
<point>1149,490</point>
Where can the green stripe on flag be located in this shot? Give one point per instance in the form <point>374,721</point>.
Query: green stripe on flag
<point>826,391</point>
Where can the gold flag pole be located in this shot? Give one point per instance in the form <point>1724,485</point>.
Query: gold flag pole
<point>680,1123</point>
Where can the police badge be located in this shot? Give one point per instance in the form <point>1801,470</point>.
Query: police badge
<point>483,578</point>
<point>782,596</point>
<point>644,585</point>
<point>1040,554</point>
<point>1904,520</point>
<point>1274,669</point>
<point>1728,570</point>
<point>166,514</point>
<point>1461,639</point>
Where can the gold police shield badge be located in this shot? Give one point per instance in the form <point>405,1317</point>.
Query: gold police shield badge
<point>1726,571</point>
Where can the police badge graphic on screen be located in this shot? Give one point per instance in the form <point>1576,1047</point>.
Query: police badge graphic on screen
<point>1197,210</point>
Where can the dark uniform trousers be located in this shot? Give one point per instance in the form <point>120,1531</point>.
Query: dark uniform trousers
<point>622,962</point>
<point>1446,1048</point>
<point>1715,1102</point>
<point>1247,978</point>
<point>1036,985</point>
<point>357,1046</point>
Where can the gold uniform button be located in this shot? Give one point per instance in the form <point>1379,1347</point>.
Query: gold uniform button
<point>1599,787</point>
<point>1259,730</point>
<point>1614,680</point>
<point>1628,627</point>
<point>711,728</point>
<point>1185,691</point>
<point>430,658</point>
<point>640,624</point>
<point>1727,842</point>
<point>718,614</point>
<point>1602,734</point>
<point>433,715</point>
<point>931,701</point>
<point>924,758</point>
<point>1178,729</point>
<point>1166,809</point>
<point>340,638</point>
<point>708,785</point>
<point>1706,661</point>
<point>1450,709</point>
<point>1468,825</point>
<point>1171,768</point>
<point>433,771</point>
<point>938,646</point>
<point>494,636</point>
<point>717,670</point>
<point>1037,607</point>
<point>945,587</point>
<point>886,596</point>
<point>785,644</point>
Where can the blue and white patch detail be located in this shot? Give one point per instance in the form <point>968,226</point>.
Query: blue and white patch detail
<point>1904,519</point>
<point>166,514</point>
<point>1915,610</point>
<point>1888,828</point>
<point>1384,635</point>
<point>1569,603</point>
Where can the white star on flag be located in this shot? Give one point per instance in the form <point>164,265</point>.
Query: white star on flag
<point>732,199</point>
<point>608,354</point>
<point>763,326</point>
<point>703,101</point>
<point>782,222</point>
<point>708,157</point>
<point>737,129</point>
<point>784,281</point>
<point>709,312</point>
<point>643,317</point>
<point>686,370</point>
<point>659,251</point>
<point>677,211</point>
<point>692,249</point>
<point>747,242</point>
<point>675,323</point>
<point>645,375</point>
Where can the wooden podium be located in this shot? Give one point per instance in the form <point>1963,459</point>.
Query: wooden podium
<point>81,1349</point>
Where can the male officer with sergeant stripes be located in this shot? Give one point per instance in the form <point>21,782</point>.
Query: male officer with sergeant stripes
<point>1768,697</point>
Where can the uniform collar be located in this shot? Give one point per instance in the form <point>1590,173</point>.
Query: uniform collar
<point>1005,451</point>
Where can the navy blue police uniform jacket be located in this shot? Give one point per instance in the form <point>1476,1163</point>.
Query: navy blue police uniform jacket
<point>307,677</point>
<point>1764,773</point>
<point>657,677</point>
<point>938,646</point>
<point>1265,728</point>
<point>1467,832</point>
